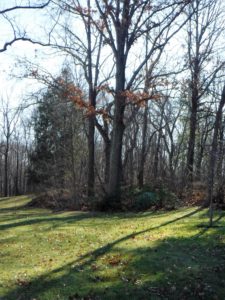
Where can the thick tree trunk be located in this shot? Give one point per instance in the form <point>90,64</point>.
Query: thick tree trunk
<point>118,130</point>
<point>116,149</point>
<point>104,131</point>
<point>143,148</point>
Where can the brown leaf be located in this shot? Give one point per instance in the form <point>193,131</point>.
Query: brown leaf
<point>22,282</point>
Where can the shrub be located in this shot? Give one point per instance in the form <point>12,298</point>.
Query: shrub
<point>157,197</point>
<point>146,200</point>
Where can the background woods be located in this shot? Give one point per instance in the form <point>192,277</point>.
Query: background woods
<point>137,102</point>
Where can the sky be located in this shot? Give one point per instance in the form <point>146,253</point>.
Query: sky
<point>14,85</point>
<point>35,24</point>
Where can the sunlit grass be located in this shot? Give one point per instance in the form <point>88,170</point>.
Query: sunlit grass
<point>160,255</point>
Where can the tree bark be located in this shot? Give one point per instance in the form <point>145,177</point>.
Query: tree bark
<point>91,120</point>
<point>118,129</point>
<point>116,149</point>
<point>143,148</point>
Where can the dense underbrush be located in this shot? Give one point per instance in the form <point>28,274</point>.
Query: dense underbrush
<point>132,199</point>
<point>155,197</point>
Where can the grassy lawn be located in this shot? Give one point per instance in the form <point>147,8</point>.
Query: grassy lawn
<point>75,255</point>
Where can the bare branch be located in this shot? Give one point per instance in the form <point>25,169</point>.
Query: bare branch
<point>24,7</point>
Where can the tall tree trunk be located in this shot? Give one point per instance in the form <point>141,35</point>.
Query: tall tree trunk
<point>143,148</point>
<point>213,155</point>
<point>91,156</point>
<point>191,141</point>
<point>194,43</point>
<point>219,171</point>
<point>116,149</point>
<point>118,130</point>
<point>91,120</point>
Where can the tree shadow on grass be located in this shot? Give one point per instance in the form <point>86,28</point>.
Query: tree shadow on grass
<point>45,219</point>
<point>54,219</point>
<point>184,268</point>
<point>172,268</point>
<point>4,199</point>
<point>13,209</point>
<point>51,217</point>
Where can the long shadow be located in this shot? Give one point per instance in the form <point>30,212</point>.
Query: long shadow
<point>98,252</point>
<point>15,204</point>
<point>205,227</point>
<point>176,268</point>
<point>54,217</point>
<point>12,209</point>
<point>93,255</point>
<point>4,199</point>
<point>68,219</point>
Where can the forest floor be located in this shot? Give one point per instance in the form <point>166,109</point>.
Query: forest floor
<point>81,255</point>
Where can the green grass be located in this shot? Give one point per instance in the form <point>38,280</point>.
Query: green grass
<point>70,255</point>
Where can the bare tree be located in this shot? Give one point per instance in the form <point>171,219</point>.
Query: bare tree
<point>10,119</point>
<point>205,28</point>
<point>124,23</point>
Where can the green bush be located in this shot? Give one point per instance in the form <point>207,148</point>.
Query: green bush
<point>145,200</point>
<point>158,197</point>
